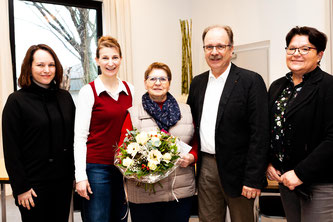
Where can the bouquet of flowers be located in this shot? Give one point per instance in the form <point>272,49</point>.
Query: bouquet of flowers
<point>147,157</point>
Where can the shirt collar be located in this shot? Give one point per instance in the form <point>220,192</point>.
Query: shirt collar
<point>101,88</point>
<point>222,77</point>
<point>305,77</point>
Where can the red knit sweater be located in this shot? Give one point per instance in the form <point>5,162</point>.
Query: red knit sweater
<point>107,119</point>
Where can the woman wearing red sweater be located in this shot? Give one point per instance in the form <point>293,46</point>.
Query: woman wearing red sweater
<point>160,110</point>
<point>101,110</point>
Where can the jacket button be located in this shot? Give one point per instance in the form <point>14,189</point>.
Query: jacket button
<point>51,160</point>
<point>65,150</point>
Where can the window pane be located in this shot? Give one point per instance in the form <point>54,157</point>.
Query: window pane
<point>70,31</point>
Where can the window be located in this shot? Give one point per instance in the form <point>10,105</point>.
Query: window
<point>70,29</point>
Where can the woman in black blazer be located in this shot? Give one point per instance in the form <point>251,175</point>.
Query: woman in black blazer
<point>301,114</point>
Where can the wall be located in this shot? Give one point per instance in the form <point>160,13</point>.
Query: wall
<point>156,36</point>
<point>259,20</point>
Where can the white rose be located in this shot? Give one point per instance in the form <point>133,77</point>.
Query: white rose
<point>155,141</point>
<point>127,162</point>
<point>166,157</point>
<point>155,156</point>
<point>133,148</point>
<point>152,166</point>
<point>142,138</point>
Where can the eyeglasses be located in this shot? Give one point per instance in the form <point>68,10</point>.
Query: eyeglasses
<point>220,48</point>
<point>302,50</point>
<point>153,79</point>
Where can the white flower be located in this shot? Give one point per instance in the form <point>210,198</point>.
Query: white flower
<point>133,148</point>
<point>154,134</point>
<point>152,165</point>
<point>278,118</point>
<point>277,137</point>
<point>155,141</point>
<point>154,156</point>
<point>278,123</point>
<point>166,157</point>
<point>127,162</point>
<point>142,138</point>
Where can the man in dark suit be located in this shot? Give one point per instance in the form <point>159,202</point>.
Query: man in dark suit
<point>229,107</point>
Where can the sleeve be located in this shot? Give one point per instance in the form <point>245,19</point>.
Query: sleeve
<point>84,106</point>
<point>127,125</point>
<point>320,161</point>
<point>194,150</point>
<point>11,134</point>
<point>256,159</point>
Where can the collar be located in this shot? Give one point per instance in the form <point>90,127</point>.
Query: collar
<point>222,77</point>
<point>101,88</point>
<point>305,77</point>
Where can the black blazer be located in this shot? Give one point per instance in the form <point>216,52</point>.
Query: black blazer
<point>309,128</point>
<point>241,133</point>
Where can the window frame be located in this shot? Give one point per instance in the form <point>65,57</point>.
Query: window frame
<point>92,4</point>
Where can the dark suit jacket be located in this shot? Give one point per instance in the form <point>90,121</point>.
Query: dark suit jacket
<point>308,128</point>
<point>241,131</point>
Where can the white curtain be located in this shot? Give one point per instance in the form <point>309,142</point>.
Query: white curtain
<point>117,23</point>
<point>6,73</point>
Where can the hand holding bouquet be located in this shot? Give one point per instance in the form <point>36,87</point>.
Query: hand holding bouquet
<point>147,157</point>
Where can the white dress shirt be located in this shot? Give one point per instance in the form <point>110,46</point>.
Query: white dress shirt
<point>83,112</point>
<point>213,94</point>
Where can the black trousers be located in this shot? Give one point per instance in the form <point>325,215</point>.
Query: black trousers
<point>52,203</point>
<point>162,211</point>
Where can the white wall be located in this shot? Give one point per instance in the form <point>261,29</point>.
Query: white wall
<point>259,20</point>
<point>156,37</point>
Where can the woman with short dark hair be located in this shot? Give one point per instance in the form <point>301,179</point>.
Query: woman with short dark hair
<point>301,113</point>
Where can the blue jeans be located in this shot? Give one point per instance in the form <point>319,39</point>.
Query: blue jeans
<point>107,203</point>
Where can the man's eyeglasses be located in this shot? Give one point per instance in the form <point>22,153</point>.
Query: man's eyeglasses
<point>302,50</point>
<point>220,48</point>
<point>153,79</point>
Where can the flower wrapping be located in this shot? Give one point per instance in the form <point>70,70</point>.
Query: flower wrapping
<point>147,157</point>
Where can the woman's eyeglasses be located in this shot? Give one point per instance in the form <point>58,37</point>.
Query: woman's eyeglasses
<point>153,79</point>
<point>302,50</point>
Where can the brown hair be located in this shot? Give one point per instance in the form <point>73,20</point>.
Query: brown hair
<point>158,65</point>
<point>26,68</point>
<point>225,27</point>
<point>107,42</point>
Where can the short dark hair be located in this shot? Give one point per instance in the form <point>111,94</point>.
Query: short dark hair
<point>225,27</point>
<point>316,38</point>
<point>26,68</point>
<point>158,65</point>
<point>107,42</point>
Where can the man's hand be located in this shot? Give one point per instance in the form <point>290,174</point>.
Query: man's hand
<point>249,192</point>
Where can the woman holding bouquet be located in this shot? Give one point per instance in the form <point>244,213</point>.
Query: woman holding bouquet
<point>160,111</point>
<point>101,109</point>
